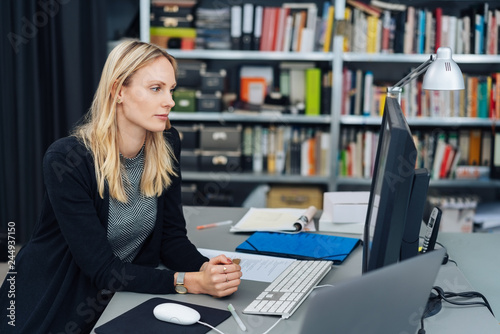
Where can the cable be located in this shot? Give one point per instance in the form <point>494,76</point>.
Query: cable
<point>210,326</point>
<point>467,295</point>
<point>324,286</point>
<point>277,322</point>
<point>446,296</point>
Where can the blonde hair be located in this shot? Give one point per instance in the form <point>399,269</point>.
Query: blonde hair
<point>99,132</point>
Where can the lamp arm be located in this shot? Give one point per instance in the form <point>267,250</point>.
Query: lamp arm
<point>413,74</point>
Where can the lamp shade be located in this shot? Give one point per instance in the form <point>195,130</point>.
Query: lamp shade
<point>443,73</point>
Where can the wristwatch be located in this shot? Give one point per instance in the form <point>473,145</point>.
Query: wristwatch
<point>179,284</point>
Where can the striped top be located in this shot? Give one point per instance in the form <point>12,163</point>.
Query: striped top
<point>129,224</point>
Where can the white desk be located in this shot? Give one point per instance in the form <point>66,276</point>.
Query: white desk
<point>478,255</point>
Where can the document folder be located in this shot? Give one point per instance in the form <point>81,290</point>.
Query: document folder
<point>302,246</point>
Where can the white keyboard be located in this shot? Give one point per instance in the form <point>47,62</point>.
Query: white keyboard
<point>285,294</point>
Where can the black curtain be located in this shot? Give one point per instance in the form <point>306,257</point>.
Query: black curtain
<point>52,54</point>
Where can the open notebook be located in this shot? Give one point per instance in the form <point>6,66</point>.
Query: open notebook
<point>272,219</point>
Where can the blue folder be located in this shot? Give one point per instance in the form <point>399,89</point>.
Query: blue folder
<point>302,246</point>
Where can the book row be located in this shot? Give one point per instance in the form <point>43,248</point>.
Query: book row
<point>289,87</point>
<point>377,28</point>
<point>274,149</point>
<point>286,149</point>
<point>290,27</point>
<point>446,154</point>
<point>364,95</point>
<point>409,30</point>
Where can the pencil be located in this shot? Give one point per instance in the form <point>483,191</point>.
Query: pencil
<point>226,222</point>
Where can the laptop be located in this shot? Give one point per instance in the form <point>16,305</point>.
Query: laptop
<point>388,300</point>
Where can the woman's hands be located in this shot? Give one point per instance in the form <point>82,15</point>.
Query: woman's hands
<point>218,277</point>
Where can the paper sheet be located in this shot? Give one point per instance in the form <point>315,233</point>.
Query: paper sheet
<point>254,267</point>
<point>270,219</point>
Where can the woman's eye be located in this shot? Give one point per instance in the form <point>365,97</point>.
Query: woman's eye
<point>155,89</point>
<point>172,91</point>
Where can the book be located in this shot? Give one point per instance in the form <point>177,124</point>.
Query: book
<point>328,30</point>
<point>495,157</point>
<point>448,155</point>
<point>257,158</point>
<point>368,94</point>
<point>486,143</point>
<point>247,27</point>
<point>372,34</point>
<point>475,148</point>
<point>247,149</point>
<point>368,9</point>
<point>387,5</point>
<point>463,146</point>
<point>281,28</point>
<point>306,16</point>
<point>236,27</point>
<point>313,91</point>
<point>257,27</point>
<point>294,153</point>
<point>409,31</point>
<point>438,156</point>
<point>438,13</point>
<point>269,18</point>
<point>302,246</point>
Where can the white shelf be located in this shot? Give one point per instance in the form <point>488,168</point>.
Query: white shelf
<point>423,121</point>
<point>445,183</point>
<point>255,177</point>
<point>250,55</point>
<point>223,117</point>
<point>415,58</point>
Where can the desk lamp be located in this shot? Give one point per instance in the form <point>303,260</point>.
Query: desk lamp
<point>442,74</point>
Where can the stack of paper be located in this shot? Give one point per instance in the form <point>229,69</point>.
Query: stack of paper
<point>344,211</point>
<point>487,217</point>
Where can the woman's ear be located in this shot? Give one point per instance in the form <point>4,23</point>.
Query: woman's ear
<point>119,95</point>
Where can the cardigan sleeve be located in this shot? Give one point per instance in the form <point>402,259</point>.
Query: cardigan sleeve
<point>177,252</point>
<point>71,187</point>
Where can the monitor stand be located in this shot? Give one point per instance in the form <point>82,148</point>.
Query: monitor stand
<point>433,306</point>
<point>414,214</point>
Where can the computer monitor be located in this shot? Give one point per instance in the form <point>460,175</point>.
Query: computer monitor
<point>394,184</point>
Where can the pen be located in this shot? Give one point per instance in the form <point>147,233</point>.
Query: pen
<point>226,222</point>
<point>236,317</point>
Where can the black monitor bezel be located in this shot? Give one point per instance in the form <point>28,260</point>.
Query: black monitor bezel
<point>396,176</point>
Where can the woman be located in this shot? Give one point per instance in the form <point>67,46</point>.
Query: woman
<point>112,210</point>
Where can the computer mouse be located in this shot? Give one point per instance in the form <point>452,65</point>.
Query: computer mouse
<point>176,313</point>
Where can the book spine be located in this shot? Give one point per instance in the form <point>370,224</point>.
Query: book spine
<point>247,27</point>
<point>313,91</point>
<point>236,27</point>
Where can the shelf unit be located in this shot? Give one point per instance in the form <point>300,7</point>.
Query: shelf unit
<point>399,63</point>
<point>327,121</point>
<point>335,120</point>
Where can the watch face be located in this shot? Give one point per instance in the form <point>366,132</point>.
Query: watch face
<point>181,289</point>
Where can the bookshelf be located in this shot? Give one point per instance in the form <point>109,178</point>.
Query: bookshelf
<point>388,68</point>
<point>230,60</point>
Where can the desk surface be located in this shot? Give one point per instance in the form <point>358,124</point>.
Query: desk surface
<point>476,255</point>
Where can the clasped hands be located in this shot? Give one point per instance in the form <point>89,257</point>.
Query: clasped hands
<point>219,277</point>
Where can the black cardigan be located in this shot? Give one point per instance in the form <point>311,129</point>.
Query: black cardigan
<point>63,269</point>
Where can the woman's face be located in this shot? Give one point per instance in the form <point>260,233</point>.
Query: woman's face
<point>147,99</point>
